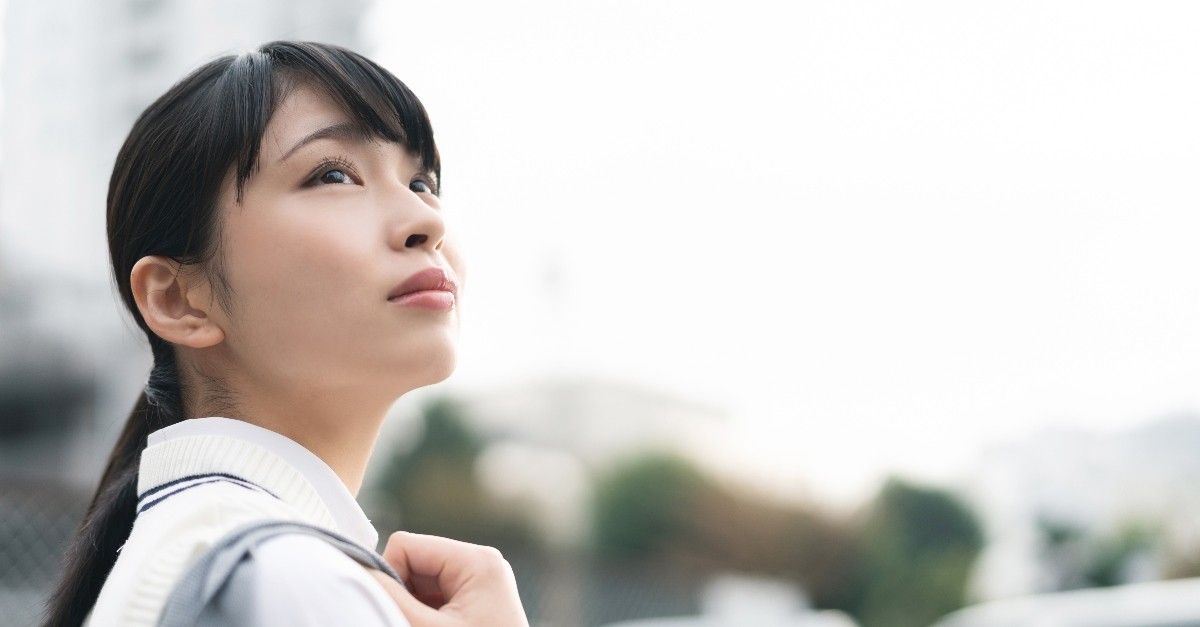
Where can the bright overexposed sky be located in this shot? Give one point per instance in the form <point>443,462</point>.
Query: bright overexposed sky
<point>881,235</point>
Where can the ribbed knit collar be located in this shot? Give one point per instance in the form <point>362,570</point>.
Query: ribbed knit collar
<point>260,456</point>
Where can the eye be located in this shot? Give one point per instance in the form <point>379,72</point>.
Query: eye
<point>334,176</point>
<point>421,186</point>
<point>332,171</point>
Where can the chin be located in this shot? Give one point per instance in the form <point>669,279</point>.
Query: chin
<point>434,366</point>
<point>442,370</point>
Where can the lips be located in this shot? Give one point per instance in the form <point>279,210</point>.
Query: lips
<point>434,279</point>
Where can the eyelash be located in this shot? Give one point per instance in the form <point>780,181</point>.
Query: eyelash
<point>429,182</point>
<point>329,164</point>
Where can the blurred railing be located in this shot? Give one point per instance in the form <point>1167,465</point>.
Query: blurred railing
<point>37,518</point>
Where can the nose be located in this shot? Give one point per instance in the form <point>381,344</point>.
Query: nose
<point>416,225</point>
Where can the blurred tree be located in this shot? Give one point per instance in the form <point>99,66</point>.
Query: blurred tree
<point>744,533</point>
<point>432,487</point>
<point>647,507</point>
<point>917,550</point>
<point>660,507</point>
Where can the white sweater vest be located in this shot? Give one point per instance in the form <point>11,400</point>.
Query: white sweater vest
<point>194,488</point>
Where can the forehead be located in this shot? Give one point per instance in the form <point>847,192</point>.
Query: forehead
<point>303,111</point>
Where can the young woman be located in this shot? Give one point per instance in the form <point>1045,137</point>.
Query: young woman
<point>275,230</point>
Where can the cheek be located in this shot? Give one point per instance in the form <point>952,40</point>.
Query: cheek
<point>300,278</point>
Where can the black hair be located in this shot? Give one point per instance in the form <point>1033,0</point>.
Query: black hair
<point>163,200</point>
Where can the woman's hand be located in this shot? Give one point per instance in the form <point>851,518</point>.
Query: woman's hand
<point>452,583</point>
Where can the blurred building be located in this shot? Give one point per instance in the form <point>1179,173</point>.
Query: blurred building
<point>76,73</point>
<point>594,419</point>
<point>1069,499</point>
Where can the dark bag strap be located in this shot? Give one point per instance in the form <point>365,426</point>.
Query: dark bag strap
<point>214,568</point>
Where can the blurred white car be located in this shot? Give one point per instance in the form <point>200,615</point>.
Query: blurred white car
<point>1155,604</point>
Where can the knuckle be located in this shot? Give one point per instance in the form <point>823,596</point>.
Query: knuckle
<point>491,553</point>
<point>394,544</point>
<point>492,560</point>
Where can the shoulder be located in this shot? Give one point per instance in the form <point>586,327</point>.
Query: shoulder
<point>303,580</point>
<point>167,536</point>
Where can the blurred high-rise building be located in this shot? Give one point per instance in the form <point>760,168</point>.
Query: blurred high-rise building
<point>76,75</point>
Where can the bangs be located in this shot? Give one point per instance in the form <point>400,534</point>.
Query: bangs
<point>374,99</point>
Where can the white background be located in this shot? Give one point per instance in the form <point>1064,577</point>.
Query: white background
<point>882,235</point>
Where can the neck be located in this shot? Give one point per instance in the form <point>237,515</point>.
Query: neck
<point>340,432</point>
<point>337,418</point>
<point>345,446</point>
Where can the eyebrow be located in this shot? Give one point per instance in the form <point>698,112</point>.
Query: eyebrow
<point>343,131</point>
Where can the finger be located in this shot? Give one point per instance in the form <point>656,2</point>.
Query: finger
<point>475,582</point>
<point>427,589</point>
<point>433,564</point>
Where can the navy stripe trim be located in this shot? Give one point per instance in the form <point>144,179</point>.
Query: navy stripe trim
<point>164,497</point>
<point>205,475</point>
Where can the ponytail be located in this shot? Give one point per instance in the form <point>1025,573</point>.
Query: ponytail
<point>109,518</point>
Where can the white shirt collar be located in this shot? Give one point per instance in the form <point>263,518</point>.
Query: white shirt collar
<point>347,514</point>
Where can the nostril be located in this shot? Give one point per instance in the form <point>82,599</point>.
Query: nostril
<point>415,240</point>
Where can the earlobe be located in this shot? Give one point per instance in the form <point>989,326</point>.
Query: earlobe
<point>172,304</point>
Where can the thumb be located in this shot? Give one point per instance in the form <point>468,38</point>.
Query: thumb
<point>468,583</point>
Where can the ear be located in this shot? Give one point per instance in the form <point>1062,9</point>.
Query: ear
<point>174,304</point>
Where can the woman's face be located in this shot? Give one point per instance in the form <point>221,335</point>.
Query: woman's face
<point>331,230</point>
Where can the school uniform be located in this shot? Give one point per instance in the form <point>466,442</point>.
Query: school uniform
<point>204,477</point>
